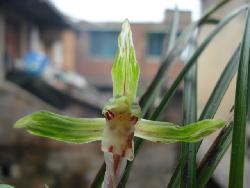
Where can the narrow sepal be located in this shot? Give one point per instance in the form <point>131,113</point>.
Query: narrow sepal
<point>165,132</point>
<point>62,128</point>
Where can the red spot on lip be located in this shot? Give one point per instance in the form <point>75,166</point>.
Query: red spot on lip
<point>123,153</point>
<point>134,119</point>
<point>110,149</point>
<point>129,140</point>
<point>109,115</point>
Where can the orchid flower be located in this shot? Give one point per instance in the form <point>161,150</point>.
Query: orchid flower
<point>122,119</point>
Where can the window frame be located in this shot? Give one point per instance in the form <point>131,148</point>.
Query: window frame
<point>147,53</point>
<point>102,56</point>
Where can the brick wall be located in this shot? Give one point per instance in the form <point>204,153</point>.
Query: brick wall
<point>97,69</point>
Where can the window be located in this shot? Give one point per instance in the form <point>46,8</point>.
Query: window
<point>155,44</point>
<point>103,43</point>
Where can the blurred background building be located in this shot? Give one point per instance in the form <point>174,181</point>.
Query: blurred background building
<point>50,61</point>
<point>97,45</point>
<point>37,58</point>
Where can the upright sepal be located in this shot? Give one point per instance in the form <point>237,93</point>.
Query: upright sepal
<point>62,128</point>
<point>125,70</point>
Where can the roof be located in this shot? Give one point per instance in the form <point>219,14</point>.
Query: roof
<point>39,11</point>
<point>49,94</point>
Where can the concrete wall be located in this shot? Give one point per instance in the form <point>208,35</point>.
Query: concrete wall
<point>216,56</point>
<point>210,65</point>
<point>69,49</point>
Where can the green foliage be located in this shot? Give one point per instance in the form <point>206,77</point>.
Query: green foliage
<point>180,44</point>
<point>241,109</point>
<point>192,60</point>
<point>217,94</point>
<point>221,144</point>
<point>188,150</point>
<point>214,155</point>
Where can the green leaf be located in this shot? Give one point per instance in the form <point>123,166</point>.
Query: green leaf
<point>125,70</point>
<point>145,100</point>
<point>173,34</point>
<point>221,144</point>
<point>98,180</point>
<point>214,155</point>
<point>62,128</point>
<point>165,132</point>
<point>211,10</point>
<point>212,21</point>
<point>193,58</point>
<point>6,186</point>
<point>188,150</point>
<point>211,107</point>
<point>236,174</point>
<point>180,44</point>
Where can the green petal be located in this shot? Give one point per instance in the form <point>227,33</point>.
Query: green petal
<point>165,132</point>
<point>125,70</point>
<point>63,128</point>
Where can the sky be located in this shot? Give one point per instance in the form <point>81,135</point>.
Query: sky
<point>118,10</point>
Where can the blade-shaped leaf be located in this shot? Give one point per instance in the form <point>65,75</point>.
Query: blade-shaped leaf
<point>236,174</point>
<point>62,128</point>
<point>169,43</point>
<point>125,70</point>
<point>193,59</point>
<point>212,105</point>
<point>212,21</point>
<point>179,78</point>
<point>223,141</point>
<point>211,10</point>
<point>165,132</point>
<point>188,150</point>
<point>214,155</point>
<point>181,42</point>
